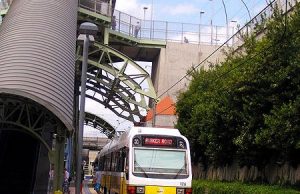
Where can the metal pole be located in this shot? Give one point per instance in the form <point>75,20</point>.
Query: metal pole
<point>166,38</point>
<point>131,29</point>
<point>81,113</point>
<point>151,26</point>
<point>226,19</point>
<point>247,9</point>
<point>211,22</point>
<point>145,8</point>
<point>119,21</point>
<point>144,22</point>
<point>201,12</point>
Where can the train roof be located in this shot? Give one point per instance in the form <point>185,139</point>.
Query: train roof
<point>123,140</point>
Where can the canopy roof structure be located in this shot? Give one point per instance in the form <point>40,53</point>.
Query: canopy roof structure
<point>117,82</point>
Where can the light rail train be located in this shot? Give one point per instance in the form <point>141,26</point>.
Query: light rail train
<point>146,161</point>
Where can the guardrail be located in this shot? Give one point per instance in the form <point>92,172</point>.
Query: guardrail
<point>180,32</point>
<point>98,6</point>
<point>257,23</point>
<point>159,30</point>
<point>169,31</point>
<point>174,31</point>
<point>4,5</point>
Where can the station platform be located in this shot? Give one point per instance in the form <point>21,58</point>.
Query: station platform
<point>87,188</point>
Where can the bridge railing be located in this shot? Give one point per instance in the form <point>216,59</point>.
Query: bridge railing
<point>180,32</point>
<point>169,31</point>
<point>257,23</point>
<point>95,141</point>
<point>3,5</point>
<point>98,6</point>
<point>159,30</point>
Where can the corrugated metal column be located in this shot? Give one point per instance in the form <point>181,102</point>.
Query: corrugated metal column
<point>37,60</point>
<point>37,54</point>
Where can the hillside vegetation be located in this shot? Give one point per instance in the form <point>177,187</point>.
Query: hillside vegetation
<point>247,108</point>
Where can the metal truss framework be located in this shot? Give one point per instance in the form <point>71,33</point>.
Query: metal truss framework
<point>100,124</point>
<point>24,114</point>
<point>117,82</point>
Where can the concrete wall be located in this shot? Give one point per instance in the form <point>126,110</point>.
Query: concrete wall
<point>271,173</point>
<point>175,60</point>
<point>172,64</point>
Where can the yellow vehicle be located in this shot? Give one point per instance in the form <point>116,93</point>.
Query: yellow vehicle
<point>146,161</point>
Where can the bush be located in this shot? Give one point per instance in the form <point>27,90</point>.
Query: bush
<point>218,187</point>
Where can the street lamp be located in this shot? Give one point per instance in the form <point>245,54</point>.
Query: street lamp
<point>151,25</point>
<point>234,23</point>
<point>201,12</point>
<point>226,19</point>
<point>144,22</point>
<point>211,21</point>
<point>145,9</point>
<point>87,32</point>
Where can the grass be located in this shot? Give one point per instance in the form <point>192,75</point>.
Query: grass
<point>218,187</point>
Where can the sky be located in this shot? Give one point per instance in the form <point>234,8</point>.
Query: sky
<point>180,11</point>
<point>184,11</point>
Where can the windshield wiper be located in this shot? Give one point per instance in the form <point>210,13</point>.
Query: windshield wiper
<point>142,169</point>
<point>180,170</point>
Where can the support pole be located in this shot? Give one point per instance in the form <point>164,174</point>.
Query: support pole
<point>106,36</point>
<point>58,162</point>
<point>81,112</point>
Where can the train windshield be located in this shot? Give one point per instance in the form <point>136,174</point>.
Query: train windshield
<point>160,161</point>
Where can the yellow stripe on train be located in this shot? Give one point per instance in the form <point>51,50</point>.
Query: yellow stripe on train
<point>160,190</point>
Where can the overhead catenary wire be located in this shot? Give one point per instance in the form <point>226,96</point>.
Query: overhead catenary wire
<point>242,16</point>
<point>244,62</point>
<point>211,54</point>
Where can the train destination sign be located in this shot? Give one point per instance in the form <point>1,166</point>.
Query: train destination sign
<point>158,141</point>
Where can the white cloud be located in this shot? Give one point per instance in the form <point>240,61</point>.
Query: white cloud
<point>133,8</point>
<point>181,9</point>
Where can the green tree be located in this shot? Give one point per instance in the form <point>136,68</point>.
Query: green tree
<point>247,107</point>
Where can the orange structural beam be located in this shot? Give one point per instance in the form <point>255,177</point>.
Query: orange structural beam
<point>165,107</point>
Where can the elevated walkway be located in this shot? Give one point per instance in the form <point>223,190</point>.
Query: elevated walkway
<point>117,33</point>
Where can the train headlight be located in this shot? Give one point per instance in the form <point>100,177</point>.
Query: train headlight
<point>136,141</point>
<point>140,189</point>
<point>181,144</point>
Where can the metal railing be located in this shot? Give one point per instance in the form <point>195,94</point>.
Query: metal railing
<point>98,6</point>
<point>257,23</point>
<point>181,32</point>
<point>169,31</point>
<point>95,141</point>
<point>173,31</point>
<point>159,30</point>
<point>4,4</point>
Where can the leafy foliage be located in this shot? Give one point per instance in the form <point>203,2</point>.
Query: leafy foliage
<point>216,187</point>
<point>248,107</point>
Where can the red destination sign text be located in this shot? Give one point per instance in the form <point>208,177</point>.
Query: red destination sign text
<point>158,141</point>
